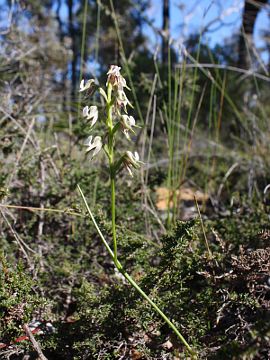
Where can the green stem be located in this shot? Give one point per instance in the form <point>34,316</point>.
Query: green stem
<point>82,52</point>
<point>113,216</point>
<point>161,313</point>
<point>134,284</point>
<point>95,223</point>
<point>109,107</point>
<point>112,170</point>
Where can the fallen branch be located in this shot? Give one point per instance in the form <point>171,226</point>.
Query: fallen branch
<point>34,342</point>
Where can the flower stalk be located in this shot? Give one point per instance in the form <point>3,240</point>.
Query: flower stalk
<point>116,102</point>
<point>111,165</point>
<point>134,284</point>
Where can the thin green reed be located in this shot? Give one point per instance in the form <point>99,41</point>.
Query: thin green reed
<point>218,119</point>
<point>168,110</point>
<point>177,168</point>
<point>264,116</point>
<point>157,70</point>
<point>125,61</point>
<point>211,114</point>
<point>221,81</point>
<point>174,146</point>
<point>216,69</point>
<point>96,63</point>
<point>172,111</point>
<point>219,87</point>
<point>182,76</point>
<point>178,88</point>
<point>184,161</point>
<point>97,33</point>
<point>82,51</point>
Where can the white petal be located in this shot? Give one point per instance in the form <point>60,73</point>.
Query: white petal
<point>102,92</point>
<point>136,156</point>
<point>93,111</point>
<point>94,145</point>
<point>125,131</point>
<point>98,145</point>
<point>94,115</point>
<point>114,69</point>
<point>129,170</point>
<point>97,140</point>
<point>82,85</point>
<point>86,86</point>
<point>85,111</point>
<point>130,155</point>
<point>96,151</point>
<point>88,141</point>
<point>132,121</point>
<point>125,118</point>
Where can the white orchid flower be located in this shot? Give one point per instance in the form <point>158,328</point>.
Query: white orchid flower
<point>91,113</point>
<point>102,93</point>
<point>122,100</point>
<point>131,161</point>
<point>84,86</point>
<point>93,146</point>
<point>115,78</point>
<point>114,70</point>
<point>113,75</point>
<point>127,123</point>
<point>118,83</point>
<point>133,158</point>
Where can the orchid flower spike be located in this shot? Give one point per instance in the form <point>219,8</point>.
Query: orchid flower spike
<point>85,86</point>
<point>131,160</point>
<point>91,113</point>
<point>93,146</point>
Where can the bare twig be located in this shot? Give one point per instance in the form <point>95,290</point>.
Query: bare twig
<point>227,67</point>
<point>225,178</point>
<point>21,152</point>
<point>19,241</point>
<point>9,19</point>
<point>151,137</point>
<point>19,126</point>
<point>154,213</point>
<point>31,208</point>
<point>34,342</point>
<point>203,228</point>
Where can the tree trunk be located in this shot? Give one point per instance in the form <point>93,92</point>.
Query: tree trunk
<point>72,34</point>
<point>250,13</point>
<point>65,72</point>
<point>165,31</point>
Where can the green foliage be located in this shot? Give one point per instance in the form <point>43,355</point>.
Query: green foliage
<point>183,281</point>
<point>220,304</point>
<point>235,228</point>
<point>19,303</point>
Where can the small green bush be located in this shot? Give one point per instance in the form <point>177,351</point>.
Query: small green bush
<point>19,303</point>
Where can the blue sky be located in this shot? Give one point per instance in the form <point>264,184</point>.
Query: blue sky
<point>188,16</point>
<point>194,14</point>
